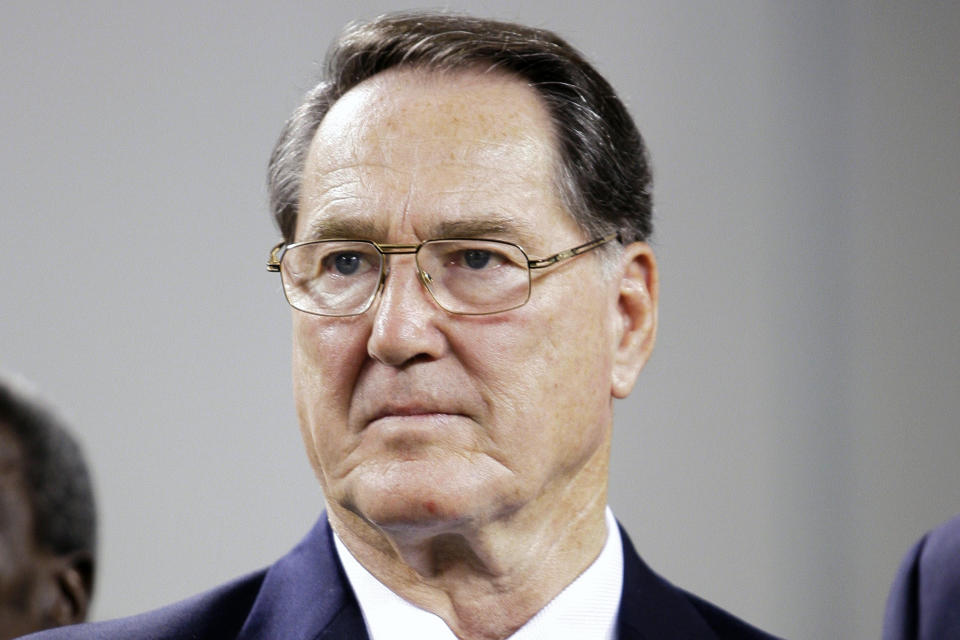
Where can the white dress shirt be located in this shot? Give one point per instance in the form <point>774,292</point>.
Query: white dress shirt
<point>585,610</point>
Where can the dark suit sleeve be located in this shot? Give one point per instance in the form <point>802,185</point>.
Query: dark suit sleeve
<point>900,622</point>
<point>214,615</point>
<point>924,603</point>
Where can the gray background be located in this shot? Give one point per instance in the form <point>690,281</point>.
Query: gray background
<point>796,428</point>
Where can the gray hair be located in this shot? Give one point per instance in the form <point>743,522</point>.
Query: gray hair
<point>603,174</point>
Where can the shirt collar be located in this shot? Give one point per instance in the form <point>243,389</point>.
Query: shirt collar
<point>585,610</point>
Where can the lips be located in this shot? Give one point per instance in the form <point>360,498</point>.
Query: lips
<point>421,390</point>
<point>389,403</point>
<point>409,411</point>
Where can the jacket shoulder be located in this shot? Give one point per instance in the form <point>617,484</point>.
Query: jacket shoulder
<point>217,614</point>
<point>302,595</point>
<point>652,607</point>
<point>724,624</point>
<point>923,599</point>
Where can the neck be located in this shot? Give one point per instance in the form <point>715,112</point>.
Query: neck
<point>514,565</point>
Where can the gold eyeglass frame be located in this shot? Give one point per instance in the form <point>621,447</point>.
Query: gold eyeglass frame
<point>387,249</point>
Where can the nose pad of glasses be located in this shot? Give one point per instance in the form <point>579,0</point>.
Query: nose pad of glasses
<point>425,278</point>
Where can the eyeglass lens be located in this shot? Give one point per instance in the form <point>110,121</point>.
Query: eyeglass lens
<point>340,278</point>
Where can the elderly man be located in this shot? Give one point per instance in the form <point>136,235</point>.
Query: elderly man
<point>463,205</point>
<point>47,518</point>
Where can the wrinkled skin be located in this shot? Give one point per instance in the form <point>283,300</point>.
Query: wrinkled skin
<point>445,440</point>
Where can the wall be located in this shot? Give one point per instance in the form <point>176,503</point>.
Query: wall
<point>795,429</point>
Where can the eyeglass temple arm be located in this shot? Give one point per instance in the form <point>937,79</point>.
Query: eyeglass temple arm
<point>569,253</point>
<point>273,263</point>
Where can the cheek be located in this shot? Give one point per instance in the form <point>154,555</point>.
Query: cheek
<point>327,358</point>
<point>546,378</point>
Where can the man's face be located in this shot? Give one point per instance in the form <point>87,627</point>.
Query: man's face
<point>19,557</point>
<point>412,415</point>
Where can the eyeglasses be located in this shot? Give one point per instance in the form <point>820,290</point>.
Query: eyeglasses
<point>465,276</point>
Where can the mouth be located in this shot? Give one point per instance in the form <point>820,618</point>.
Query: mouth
<point>411,415</point>
<point>402,403</point>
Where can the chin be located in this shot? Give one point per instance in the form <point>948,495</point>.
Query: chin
<point>421,496</point>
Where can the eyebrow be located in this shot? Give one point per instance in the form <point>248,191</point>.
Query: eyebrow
<point>366,228</point>
<point>478,227</point>
<point>359,227</point>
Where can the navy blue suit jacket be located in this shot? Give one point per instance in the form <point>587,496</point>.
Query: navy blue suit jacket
<point>924,601</point>
<point>306,596</point>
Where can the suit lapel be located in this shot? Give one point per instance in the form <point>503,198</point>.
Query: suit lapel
<point>652,608</point>
<point>306,596</point>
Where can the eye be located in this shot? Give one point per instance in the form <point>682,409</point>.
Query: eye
<point>469,258</point>
<point>347,263</point>
<point>476,258</point>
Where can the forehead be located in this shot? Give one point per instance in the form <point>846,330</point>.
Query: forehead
<point>419,147</point>
<point>446,107</point>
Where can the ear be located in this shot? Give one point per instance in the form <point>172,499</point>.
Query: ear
<point>69,588</point>
<point>637,315</point>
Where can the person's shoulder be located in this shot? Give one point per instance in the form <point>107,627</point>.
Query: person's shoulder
<point>299,596</point>
<point>943,541</point>
<point>212,615</point>
<point>653,607</point>
<point>922,600</point>
<point>724,624</point>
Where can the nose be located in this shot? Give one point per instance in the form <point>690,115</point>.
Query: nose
<point>405,318</point>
